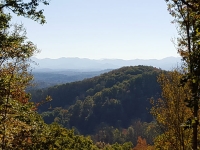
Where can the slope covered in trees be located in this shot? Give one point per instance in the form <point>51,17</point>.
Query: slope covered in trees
<point>106,104</point>
<point>115,98</point>
<point>21,127</point>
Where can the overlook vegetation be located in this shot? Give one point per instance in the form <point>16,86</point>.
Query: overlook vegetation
<point>21,127</point>
<point>138,108</point>
<point>113,100</point>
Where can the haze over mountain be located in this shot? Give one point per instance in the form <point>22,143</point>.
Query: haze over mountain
<point>86,64</point>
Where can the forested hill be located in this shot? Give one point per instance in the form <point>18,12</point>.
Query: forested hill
<point>115,98</point>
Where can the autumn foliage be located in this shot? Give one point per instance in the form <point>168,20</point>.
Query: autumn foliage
<point>142,144</point>
<point>171,113</point>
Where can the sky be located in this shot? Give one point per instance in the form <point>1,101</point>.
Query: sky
<point>104,29</point>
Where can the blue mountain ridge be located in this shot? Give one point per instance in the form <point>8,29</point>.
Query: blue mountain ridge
<point>85,64</point>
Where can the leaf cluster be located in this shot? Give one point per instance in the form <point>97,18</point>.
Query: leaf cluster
<point>171,113</point>
<point>28,9</point>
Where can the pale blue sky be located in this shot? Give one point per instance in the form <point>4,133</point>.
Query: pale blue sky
<point>97,29</point>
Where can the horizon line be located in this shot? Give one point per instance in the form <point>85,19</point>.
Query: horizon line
<point>108,58</point>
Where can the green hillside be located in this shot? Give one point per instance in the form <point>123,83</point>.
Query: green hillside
<point>115,98</point>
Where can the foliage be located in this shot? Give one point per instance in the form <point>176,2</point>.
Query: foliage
<point>116,146</point>
<point>187,16</point>
<point>142,144</point>
<point>17,115</point>
<point>171,112</point>
<point>111,135</point>
<point>28,9</point>
<point>21,127</point>
<point>56,137</point>
<point>115,98</point>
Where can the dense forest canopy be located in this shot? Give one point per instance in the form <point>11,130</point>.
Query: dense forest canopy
<point>116,98</point>
<point>21,126</point>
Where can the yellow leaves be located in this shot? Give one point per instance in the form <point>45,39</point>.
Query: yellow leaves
<point>11,128</point>
<point>48,98</point>
<point>170,112</point>
<point>19,124</point>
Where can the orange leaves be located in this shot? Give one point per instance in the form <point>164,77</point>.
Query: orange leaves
<point>17,118</point>
<point>142,145</point>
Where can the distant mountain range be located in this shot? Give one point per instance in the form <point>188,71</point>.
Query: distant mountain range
<point>84,64</point>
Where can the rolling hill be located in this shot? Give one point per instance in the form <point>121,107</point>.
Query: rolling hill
<point>115,98</point>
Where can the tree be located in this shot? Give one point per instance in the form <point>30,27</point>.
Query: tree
<point>187,14</point>
<point>170,112</point>
<point>116,146</point>
<point>15,53</point>
<point>130,136</point>
<point>19,123</point>
<point>28,9</point>
<point>141,144</point>
<point>57,137</point>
